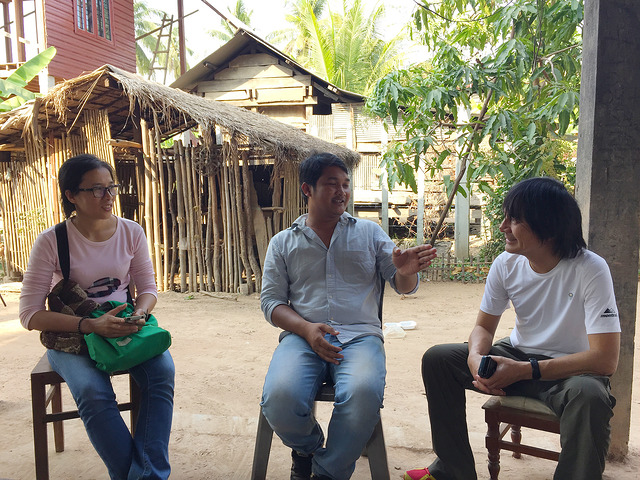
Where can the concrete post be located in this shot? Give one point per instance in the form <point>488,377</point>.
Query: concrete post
<point>608,171</point>
<point>384,189</point>
<point>420,175</point>
<point>461,216</point>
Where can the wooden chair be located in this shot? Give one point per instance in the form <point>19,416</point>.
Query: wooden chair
<point>375,450</point>
<point>516,412</point>
<point>43,376</point>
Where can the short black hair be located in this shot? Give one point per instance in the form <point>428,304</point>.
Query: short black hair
<point>311,168</point>
<point>71,173</point>
<point>550,211</point>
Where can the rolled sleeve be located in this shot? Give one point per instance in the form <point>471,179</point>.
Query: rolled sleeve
<point>275,280</point>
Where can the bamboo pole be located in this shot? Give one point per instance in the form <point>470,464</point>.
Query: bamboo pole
<point>216,231</point>
<point>251,234</point>
<point>7,215</point>
<point>235,259</point>
<point>174,221</point>
<point>276,201</point>
<point>193,272</point>
<point>241,217</point>
<point>182,234</point>
<point>148,224</point>
<point>156,211</point>
<point>227,224</point>
<point>163,202</point>
<point>198,220</point>
<point>209,237</point>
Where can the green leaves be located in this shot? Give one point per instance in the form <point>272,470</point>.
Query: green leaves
<point>12,89</point>
<point>343,47</point>
<point>525,53</point>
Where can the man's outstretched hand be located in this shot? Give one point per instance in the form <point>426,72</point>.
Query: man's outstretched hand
<point>411,260</point>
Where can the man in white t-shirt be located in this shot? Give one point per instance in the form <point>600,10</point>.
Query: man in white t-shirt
<point>562,350</point>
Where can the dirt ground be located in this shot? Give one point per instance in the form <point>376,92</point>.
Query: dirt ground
<point>222,347</point>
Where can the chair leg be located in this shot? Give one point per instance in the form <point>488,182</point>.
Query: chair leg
<point>377,454</point>
<point>134,398</point>
<point>56,407</point>
<point>264,437</point>
<point>40,445</point>
<point>492,440</point>
<point>516,437</point>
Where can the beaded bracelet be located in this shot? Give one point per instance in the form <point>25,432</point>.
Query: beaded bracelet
<point>80,324</point>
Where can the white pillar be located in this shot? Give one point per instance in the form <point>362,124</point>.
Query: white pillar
<point>420,221</point>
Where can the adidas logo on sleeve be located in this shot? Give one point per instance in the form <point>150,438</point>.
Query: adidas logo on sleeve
<point>609,312</point>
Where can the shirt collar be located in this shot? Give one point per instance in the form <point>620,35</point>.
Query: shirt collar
<point>301,222</point>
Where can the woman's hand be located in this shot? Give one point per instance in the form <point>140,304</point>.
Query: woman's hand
<point>110,326</point>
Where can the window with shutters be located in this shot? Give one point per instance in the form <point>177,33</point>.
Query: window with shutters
<point>94,17</point>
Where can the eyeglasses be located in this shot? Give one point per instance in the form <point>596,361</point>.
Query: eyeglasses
<point>100,192</point>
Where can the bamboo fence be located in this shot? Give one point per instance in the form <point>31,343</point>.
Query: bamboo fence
<point>448,268</point>
<point>199,221</point>
<point>199,217</point>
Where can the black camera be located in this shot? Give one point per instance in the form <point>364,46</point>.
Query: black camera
<point>487,366</point>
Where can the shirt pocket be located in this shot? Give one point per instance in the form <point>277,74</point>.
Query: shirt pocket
<point>356,266</point>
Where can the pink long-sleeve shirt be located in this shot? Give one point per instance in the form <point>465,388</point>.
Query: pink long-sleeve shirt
<point>102,269</point>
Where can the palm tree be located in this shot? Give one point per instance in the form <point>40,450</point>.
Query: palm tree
<point>143,23</point>
<point>345,48</point>
<point>147,19</point>
<point>294,40</point>
<point>227,31</point>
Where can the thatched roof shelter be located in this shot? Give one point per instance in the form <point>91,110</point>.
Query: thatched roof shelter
<point>125,94</point>
<point>208,204</point>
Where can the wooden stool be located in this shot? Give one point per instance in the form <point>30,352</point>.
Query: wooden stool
<point>376,451</point>
<point>41,376</point>
<point>516,412</point>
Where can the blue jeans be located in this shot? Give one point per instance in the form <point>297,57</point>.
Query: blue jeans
<point>147,454</point>
<point>295,374</point>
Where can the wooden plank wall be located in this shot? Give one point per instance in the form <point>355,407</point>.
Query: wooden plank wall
<point>79,51</point>
<point>256,80</point>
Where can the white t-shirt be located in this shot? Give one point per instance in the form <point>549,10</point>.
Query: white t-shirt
<point>555,311</point>
<point>103,269</point>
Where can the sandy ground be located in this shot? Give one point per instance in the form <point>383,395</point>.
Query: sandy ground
<point>222,347</point>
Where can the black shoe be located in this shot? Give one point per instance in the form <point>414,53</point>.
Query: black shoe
<point>300,466</point>
<point>320,477</point>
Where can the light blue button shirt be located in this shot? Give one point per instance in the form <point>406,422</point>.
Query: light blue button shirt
<point>337,285</point>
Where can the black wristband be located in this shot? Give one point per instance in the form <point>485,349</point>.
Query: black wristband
<point>80,325</point>
<point>535,369</point>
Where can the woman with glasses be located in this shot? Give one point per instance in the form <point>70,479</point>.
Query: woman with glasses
<point>107,254</point>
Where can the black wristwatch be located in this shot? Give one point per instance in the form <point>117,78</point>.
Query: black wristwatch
<point>535,369</point>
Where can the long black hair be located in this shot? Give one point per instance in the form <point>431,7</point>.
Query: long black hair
<point>71,173</point>
<point>550,211</point>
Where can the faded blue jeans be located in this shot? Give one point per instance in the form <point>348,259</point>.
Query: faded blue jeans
<point>295,374</point>
<point>147,454</point>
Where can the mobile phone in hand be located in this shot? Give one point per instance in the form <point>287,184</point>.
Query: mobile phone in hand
<point>134,319</point>
<point>487,366</point>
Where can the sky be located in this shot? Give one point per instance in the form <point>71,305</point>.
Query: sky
<point>267,16</point>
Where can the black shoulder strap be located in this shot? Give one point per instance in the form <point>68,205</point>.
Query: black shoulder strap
<point>63,248</point>
<point>63,254</point>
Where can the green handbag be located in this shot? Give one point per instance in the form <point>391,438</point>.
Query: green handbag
<point>122,353</point>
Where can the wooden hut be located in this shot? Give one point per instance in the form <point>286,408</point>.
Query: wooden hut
<point>86,34</point>
<point>209,202</point>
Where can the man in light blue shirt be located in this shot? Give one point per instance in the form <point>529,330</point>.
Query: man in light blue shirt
<point>321,286</point>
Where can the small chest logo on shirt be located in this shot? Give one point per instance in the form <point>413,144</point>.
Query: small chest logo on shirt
<point>609,313</point>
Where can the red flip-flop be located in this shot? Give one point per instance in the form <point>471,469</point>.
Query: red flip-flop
<point>420,474</point>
